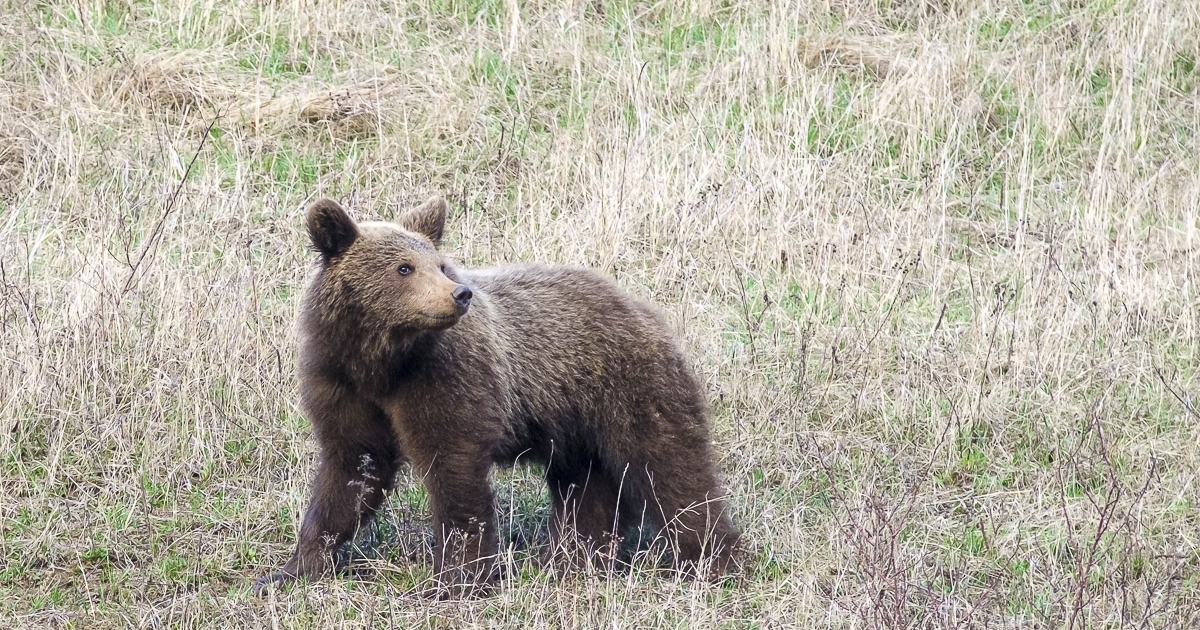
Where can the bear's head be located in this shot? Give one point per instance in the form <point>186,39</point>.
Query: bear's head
<point>390,276</point>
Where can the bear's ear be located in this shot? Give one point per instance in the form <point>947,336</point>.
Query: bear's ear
<point>428,219</point>
<point>332,230</point>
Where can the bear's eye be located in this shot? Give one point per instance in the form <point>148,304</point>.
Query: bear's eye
<point>405,269</point>
<point>443,268</point>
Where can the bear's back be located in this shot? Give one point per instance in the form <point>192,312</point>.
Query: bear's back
<point>573,345</point>
<point>575,308</point>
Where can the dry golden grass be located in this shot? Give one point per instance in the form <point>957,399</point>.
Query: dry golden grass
<point>935,261</point>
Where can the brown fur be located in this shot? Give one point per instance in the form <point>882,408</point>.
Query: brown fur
<point>553,366</point>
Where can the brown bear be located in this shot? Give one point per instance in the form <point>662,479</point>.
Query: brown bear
<point>406,357</point>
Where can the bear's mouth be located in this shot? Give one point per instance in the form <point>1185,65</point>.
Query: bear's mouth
<point>442,321</point>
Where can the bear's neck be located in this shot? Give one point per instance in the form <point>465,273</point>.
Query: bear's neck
<point>375,359</point>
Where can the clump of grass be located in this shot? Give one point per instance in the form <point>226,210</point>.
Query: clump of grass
<point>933,263</point>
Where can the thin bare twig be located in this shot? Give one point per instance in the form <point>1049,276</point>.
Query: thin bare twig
<point>172,202</point>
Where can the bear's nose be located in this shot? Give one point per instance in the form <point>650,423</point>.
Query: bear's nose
<point>462,295</point>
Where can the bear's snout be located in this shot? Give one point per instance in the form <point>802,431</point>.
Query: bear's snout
<point>462,297</point>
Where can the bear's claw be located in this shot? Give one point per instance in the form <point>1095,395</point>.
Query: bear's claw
<point>272,580</point>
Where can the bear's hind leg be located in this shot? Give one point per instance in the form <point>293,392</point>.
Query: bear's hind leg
<point>683,498</point>
<point>702,532</point>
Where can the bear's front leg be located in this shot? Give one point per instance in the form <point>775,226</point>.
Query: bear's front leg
<point>464,520</point>
<point>359,461</point>
<point>585,527</point>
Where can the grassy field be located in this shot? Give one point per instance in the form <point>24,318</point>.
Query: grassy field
<point>935,261</point>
